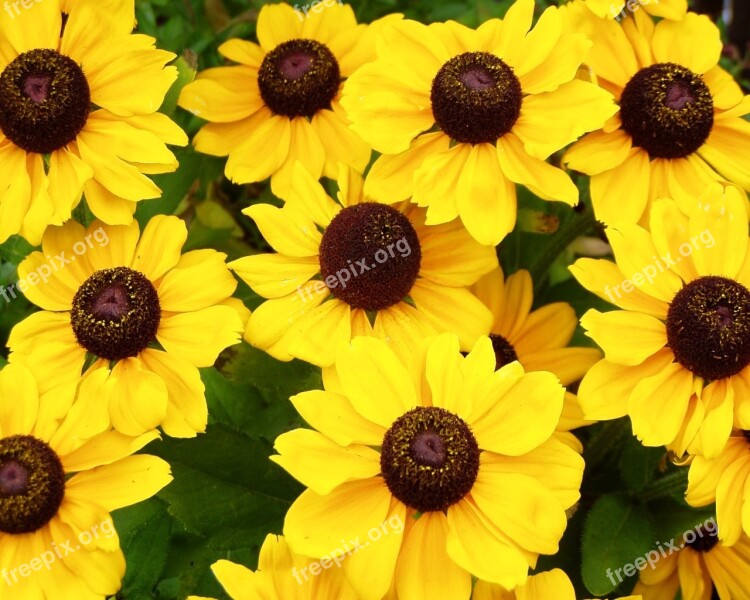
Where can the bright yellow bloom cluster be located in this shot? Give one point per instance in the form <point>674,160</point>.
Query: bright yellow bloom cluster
<point>439,459</point>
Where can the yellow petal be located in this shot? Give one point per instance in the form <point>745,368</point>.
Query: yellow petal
<point>320,464</point>
<point>627,338</point>
<point>694,42</point>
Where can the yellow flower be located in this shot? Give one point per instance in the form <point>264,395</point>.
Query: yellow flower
<point>537,339</point>
<point>677,354</point>
<point>108,299</point>
<point>462,115</point>
<point>724,480</point>
<point>619,9</point>
<point>281,105</point>
<point>61,474</point>
<point>702,569</point>
<point>78,114</point>
<point>680,122</point>
<point>356,267</point>
<point>283,575</point>
<point>550,585</point>
<point>421,476</point>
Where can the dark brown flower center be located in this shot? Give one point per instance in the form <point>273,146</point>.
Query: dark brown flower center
<point>668,110</point>
<point>708,327</point>
<point>32,484</point>
<point>476,98</point>
<point>370,256</point>
<point>116,313</point>
<point>298,78</point>
<point>429,458</point>
<point>505,353</point>
<point>701,539</point>
<point>44,101</point>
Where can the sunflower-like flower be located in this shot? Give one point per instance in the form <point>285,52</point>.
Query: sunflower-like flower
<point>462,115</point>
<point>724,480</point>
<point>280,105</point>
<point>356,267</point>
<point>61,473</point>
<point>283,575</point>
<point>550,585</point>
<point>537,339</point>
<point>678,353</point>
<point>703,568</point>
<point>619,9</point>
<point>78,114</point>
<point>680,122</point>
<point>134,306</point>
<point>421,476</point>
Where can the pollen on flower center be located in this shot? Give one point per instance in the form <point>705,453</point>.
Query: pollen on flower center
<point>429,458</point>
<point>476,98</point>
<point>298,78</point>
<point>32,484</point>
<point>708,327</point>
<point>45,101</point>
<point>116,313</point>
<point>505,353</point>
<point>372,255</point>
<point>668,110</point>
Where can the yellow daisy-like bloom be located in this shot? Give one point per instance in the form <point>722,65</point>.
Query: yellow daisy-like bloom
<point>61,474</point>
<point>462,115</point>
<point>280,105</point>
<point>550,585</point>
<point>78,114</point>
<point>680,122</point>
<point>537,339</point>
<point>419,477</point>
<point>724,480</point>
<point>356,267</point>
<point>677,354</point>
<point>134,306</point>
<point>619,9</point>
<point>283,575</point>
<point>704,568</point>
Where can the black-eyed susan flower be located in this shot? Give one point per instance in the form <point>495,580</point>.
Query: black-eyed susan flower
<point>130,304</point>
<point>357,267</point>
<point>78,114</point>
<point>460,115</point>
<point>620,9</point>
<point>679,125</point>
<point>537,339</point>
<point>61,473</point>
<point>678,351</point>
<point>703,568</point>
<point>724,480</point>
<point>423,474</point>
<point>280,104</point>
<point>549,585</point>
<point>283,575</point>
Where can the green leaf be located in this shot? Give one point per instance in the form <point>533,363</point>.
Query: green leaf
<point>639,464</point>
<point>145,545</point>
<point>186,71</point>
<point>225,488</point>
<point>616,532</point>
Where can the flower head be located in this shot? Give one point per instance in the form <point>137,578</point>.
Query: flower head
<point>78,114</point>
<point>132,305</point>
<point>458,453</point>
